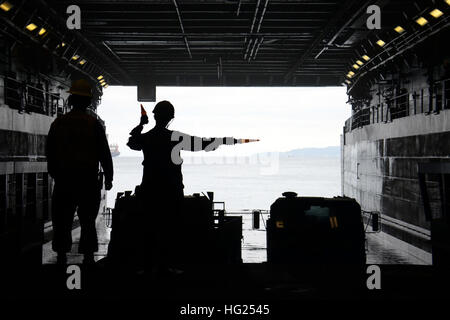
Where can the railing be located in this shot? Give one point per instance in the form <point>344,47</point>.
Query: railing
<point>360,118</point>
<point>429,100</point>
<point>398,105</point>
<point>26,97</point>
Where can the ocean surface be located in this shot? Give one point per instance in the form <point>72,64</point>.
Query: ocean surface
<point>243,183</point>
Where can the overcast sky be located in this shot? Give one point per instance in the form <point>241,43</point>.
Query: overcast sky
<point>283,118</point>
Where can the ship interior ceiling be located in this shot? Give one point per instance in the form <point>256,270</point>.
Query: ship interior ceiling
<point>230,43</point>
<point>391,74</point>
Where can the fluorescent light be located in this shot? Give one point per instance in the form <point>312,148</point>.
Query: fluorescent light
<point>356,66</point>
<point>42,31</point>
<point>102,81</point>
<point>31,26</point>
<point>399,29</point>
<point>100,77</point>
<point>436,13</point>
<point>75,57</point>
<point>381,43</point>
<point>348,81</point>
<point>82,62</point>
<point>448,2</point>
<point>63,44</point>
<point>359,62</point>
<point>105,86</point>
<point>422,21</point>
<point>6,6</point>
<point>366,57</point>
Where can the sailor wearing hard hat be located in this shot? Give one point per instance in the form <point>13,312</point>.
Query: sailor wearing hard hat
<point>76,145</point>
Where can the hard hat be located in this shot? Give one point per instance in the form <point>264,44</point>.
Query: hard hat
<point>81,87</point>
<point>165,109</point>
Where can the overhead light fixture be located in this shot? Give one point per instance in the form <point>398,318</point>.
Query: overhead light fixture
<point>356,66</point>
<point>448,2</point>
<point>82,62</point>
<point>351,73</point>
<point>421,21</point>
<point>100,77</point>
<point>75,57</point>
<point>102,81</point>
<point>381,43</point>
<point>63,44</point>
<point>6,6</point>
<point>399,29</point>
<point>31,27</point>
<point>348,81</point>
<point>436,13</point>
<point>366,57</point>
<point>106,86</point>
<point>42,31</point>
<point>359,62</point>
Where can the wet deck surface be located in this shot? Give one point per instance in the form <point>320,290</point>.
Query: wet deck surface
<point>406,274</point>
<point>380,247</point>
<point>405,271</point>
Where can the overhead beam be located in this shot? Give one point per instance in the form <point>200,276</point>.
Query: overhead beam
<point>319,38</point>
<point>88,43</point>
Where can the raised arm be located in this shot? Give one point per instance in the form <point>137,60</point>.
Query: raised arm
<point>135,140</point>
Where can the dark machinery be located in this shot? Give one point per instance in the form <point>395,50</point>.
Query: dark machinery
<point>207,236</point>
<point>311,231</point>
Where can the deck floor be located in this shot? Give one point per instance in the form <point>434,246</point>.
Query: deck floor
<point>381,248</point>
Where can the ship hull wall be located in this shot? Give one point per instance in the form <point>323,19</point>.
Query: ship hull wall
<point>379,169</point>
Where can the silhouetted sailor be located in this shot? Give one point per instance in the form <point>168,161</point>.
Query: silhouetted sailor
<point>162,182</point>
<point>76,144</point>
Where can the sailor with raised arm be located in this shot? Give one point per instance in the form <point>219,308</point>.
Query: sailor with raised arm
<point>162,182</point>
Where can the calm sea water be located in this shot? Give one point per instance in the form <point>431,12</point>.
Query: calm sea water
<point>243,183</point>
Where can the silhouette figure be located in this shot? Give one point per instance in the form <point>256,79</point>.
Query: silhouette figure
<point>76,144</point>
<point>161,190</point>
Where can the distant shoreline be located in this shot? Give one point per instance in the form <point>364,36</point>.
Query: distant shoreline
<point>331,151</point>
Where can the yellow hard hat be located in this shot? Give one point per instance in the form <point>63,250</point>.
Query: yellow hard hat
<point>81,87</point>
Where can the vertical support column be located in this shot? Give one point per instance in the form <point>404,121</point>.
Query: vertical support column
<point>2,91</point>
<point>3,195</point>
<point>444,98</point>
<point>421,101</point>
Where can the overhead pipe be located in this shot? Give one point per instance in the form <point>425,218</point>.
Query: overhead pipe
<point>238,11</point>
<point>380,3</point>
<point>247,44</point>
<point>291,71</point>
<point>263,13</point>
<point>182,28</point>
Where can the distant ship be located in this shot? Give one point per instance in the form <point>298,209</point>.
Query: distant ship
<point>114,148</point>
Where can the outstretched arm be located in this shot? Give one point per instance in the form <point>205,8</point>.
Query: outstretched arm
<point>193,143</point>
